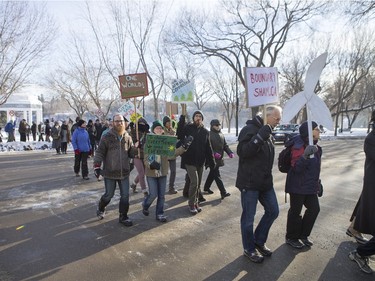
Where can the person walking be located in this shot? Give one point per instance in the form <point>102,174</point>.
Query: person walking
<point>47,130</point>
<point>196,157</point>
<point>113,154</point>
<point>256,154</point>
<point>22,130</point>
<point>33,130</point>
<point>219,146</point>
<point>65,137</point>
<point>9,129</point>
<point>56,137</point>
<point>41,130</point>
<point>303,185</point>
<point>92,134</point>
<point>81,145</point>
<point>156,170</point>
<point>365,216</point>
<point>168,130</point>
<point>143,130</point>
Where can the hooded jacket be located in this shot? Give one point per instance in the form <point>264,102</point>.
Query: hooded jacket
<point>303,177</point>
<point>255,158</point>
<point>114,152</point>
<point>81,140</point>
<point>219,145</point>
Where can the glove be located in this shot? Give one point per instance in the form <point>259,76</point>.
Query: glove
<point>309,150</point>
<point>155,165</point>
<point>77,152</point>
<point>97,172</point>
<point>187,142</point>
<point>265,132</point>
<point>231,155</point>
<point>217,155</point>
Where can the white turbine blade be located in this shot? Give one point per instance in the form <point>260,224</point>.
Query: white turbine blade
<point>320,112</point>
<point>313,74</point>
<point>292,107</point>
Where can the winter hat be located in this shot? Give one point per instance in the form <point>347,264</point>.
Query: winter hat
<point>80,123</point>
<point>304,130</point>
<point>143,125</point>
<point>166,119</point>
<point>155,124</point>
<point>198,112</point>
<point>215,122</point>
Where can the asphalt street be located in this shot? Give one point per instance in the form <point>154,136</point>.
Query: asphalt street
<point>49,230</point>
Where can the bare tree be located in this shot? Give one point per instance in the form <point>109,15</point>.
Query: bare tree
<point>26,32</point>
<point>83,82</point>
<point>248,33</point>
<point>353,66</point>
<point>360,10</point>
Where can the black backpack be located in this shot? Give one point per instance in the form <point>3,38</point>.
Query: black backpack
<point>285,159</point>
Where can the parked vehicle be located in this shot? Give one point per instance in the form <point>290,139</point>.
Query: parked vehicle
<point>282,133</point>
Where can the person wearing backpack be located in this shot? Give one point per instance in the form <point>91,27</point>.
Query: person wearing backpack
<point>9,128</point>
<point>256,153</point>
<point>303,185</point>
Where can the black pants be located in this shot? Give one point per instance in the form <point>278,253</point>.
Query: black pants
<point>367,249</point>
<point>214,175</point>
<point>299,226</point>
<point>81,160</point>
<point>64,146</point>
<point>22,136</point>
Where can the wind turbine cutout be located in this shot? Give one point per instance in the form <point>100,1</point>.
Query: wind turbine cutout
<point>317,110</point>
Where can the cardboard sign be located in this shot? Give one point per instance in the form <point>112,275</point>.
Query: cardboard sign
<point>127,109</point>
<point>133,85</point>
<point>160,145</point>
<point>182,90</point>
<point>262,85</point>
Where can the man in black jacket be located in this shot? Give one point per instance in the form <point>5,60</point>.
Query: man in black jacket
<point>254,179</point>
<point>196,157</point>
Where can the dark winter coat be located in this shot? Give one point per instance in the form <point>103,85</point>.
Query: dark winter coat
<point>199,152</point>
<point>219,145</point>
<point>255,158</point>
<point>365,219</point>
<point>303,177</point>
<point>114,152</point>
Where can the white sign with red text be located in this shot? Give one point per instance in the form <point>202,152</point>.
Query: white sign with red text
<point>262,85</point>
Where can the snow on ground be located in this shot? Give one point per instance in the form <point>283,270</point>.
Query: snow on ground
<point>231,138</point>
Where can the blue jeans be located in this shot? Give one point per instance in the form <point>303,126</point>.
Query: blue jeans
<point>249,200</point>
<point>110,186</point>
<point>156,188</point>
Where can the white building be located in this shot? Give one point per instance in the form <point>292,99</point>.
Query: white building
<point>24,104</point>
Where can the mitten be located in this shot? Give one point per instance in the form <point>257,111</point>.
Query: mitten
<point>97,172</point>
<point>187,142</point>
<point>309,150</point>
<point>231,155</point>
<point>155,165</point>
<point>217,155</point>
<point>265,132</point>
<point>77,152</point>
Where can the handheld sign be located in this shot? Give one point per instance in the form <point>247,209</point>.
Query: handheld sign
<point>261,85</point>
<point>160,145</point>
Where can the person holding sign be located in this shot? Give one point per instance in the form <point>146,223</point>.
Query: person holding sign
<point>115,149</point>
<point>156,170</point>
<point>256,154</point>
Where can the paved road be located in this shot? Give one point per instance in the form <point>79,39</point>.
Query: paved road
<point>49,230</point>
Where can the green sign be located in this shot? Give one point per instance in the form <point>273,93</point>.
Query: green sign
<point>160,145</point>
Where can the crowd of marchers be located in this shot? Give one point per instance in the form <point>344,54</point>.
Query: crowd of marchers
<point>117,148</point>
